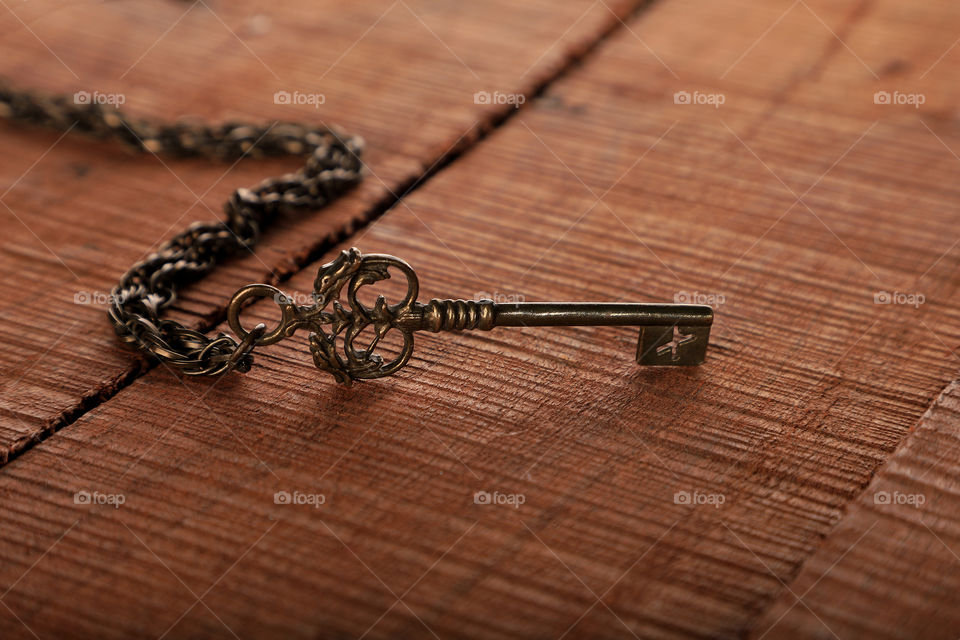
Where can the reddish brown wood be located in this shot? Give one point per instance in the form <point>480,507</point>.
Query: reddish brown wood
<point>77,214</point>
<point>808,388</point>
<point>889,569</point>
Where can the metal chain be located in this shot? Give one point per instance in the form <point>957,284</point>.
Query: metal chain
<point>149,287</point>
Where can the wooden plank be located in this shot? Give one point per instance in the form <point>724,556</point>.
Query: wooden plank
<point>77,214</point>
<point>809,385</point>
<point>889,567</point>
<point>376,82</point>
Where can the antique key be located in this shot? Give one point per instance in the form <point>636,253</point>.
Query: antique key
<point>670,334</point>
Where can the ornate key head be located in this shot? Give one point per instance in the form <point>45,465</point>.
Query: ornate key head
<point>337,318</point>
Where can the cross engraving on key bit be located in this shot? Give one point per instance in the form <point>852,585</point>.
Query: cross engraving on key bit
<point>674,345</point>
<point>670,334</point>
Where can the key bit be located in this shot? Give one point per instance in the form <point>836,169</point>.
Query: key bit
<point>670,334</point>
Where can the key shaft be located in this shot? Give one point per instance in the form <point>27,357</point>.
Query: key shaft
<point>599,314</point>
<point>671,334</point>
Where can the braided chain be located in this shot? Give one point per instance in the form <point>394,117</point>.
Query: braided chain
<point>333,166</point>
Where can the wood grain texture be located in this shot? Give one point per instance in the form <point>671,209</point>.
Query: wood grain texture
<point>890,567</point>
<point>76,214</point>
<point>795,203</point>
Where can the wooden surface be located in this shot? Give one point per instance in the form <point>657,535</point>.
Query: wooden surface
<point>894,553</point>
<point>78,214</point>
<point>795,202</point>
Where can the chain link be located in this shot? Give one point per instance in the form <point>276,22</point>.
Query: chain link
<point>333,166</point>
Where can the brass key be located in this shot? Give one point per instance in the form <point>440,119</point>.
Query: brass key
<point>670,334</point>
